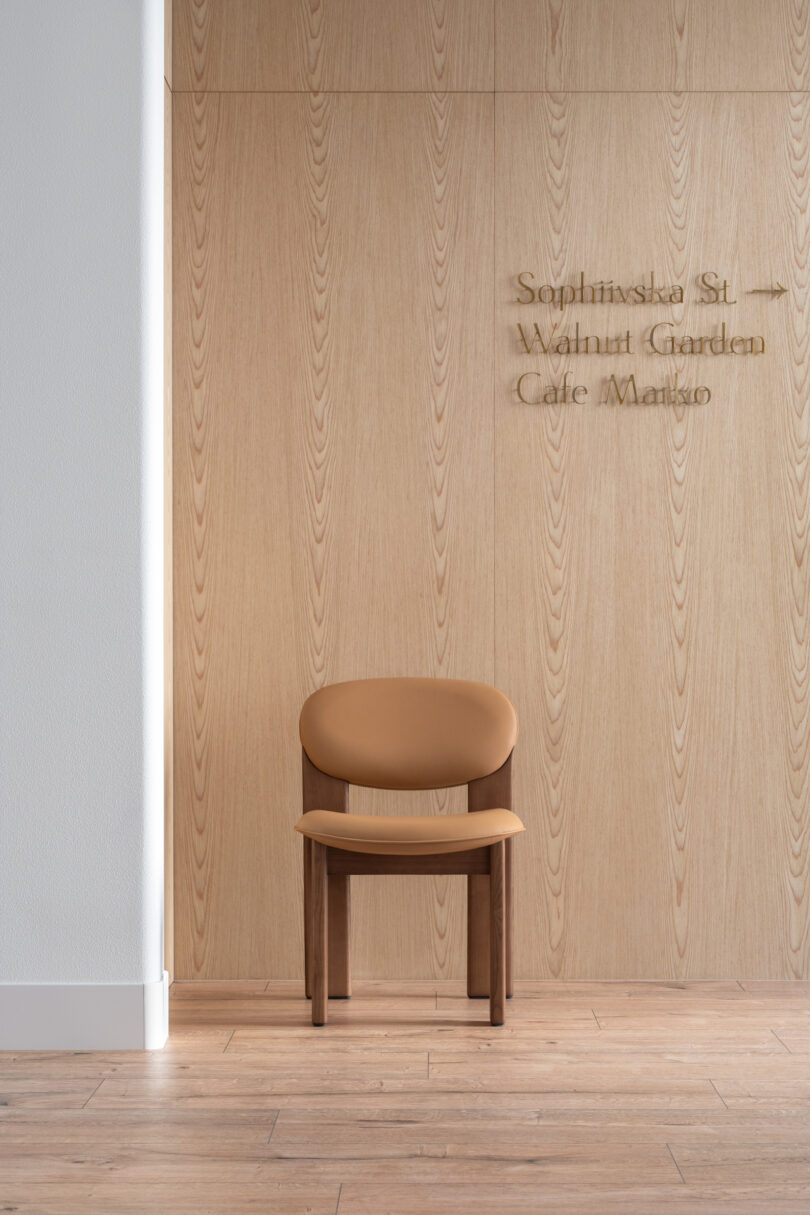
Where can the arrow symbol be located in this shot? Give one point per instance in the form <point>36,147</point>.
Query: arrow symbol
<point>774,292</point>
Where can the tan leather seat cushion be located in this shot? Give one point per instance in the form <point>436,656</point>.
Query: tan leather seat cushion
<point>408,733</point>
<point>409,835</point>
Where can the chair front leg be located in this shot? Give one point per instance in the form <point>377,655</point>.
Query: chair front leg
<point>307,917</point>
<point>340,977</point>
<point>478,937</point>
<point>508,911</point>
<point>486,793</point>
<point>497,933</point>
<point>320,934</point>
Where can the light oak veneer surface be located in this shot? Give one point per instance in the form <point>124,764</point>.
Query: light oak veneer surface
<point>358,491</point>
<point>355,45</point>
<point>168,540</point>
<point>651,585</point>
<point>333,476</point>
<point>638,45</point>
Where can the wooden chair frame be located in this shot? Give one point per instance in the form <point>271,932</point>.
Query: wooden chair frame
<point>327,895</point>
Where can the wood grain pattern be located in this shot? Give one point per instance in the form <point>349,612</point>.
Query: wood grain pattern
<point>319,450</point>
<point>249,1108</point>
<point>795,550</point>
<point>545,717</point>
<point>684,827</point>
<point>281,503</point>
<point>632,45</point>
<point>192,427</point>
<point>432,546</point>
<point>357,45</point>
<point>168,25</point>
<point>237,695</point>
<point>424,526</point>
<point>168,548</point>
<point>682,213</point>
<point>442,343</point>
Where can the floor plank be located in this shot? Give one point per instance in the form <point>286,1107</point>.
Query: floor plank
<point>581,1199</point>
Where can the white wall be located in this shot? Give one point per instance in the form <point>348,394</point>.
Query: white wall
<point>81,467</point>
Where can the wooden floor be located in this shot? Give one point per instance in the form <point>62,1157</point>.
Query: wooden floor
<point>605,1097</point>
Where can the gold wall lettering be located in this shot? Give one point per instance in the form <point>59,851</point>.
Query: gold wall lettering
<point>627,392</point>
<point>663,342</point>
<point>605,291</point>
<point>661,338</point>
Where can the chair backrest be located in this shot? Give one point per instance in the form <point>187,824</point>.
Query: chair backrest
<point>408,733</point>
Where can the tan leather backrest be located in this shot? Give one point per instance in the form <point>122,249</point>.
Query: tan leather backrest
<point>408,733</point>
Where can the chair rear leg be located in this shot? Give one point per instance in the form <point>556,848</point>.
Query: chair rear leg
<point>497,933</point>
<point>320,934</point>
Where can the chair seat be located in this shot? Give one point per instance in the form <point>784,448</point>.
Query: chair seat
<point>409,835</point>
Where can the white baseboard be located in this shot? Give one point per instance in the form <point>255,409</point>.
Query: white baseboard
<point>84,1016</point>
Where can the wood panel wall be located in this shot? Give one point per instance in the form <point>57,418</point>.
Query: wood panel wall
<point>358,491</point>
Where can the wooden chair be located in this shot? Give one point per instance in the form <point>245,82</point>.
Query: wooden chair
<point>408,734</point>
